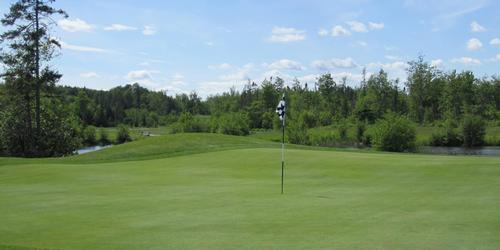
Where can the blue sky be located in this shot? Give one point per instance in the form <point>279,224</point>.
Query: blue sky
<point>210,46</point>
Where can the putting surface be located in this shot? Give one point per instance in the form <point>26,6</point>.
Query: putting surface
<point>231,199</point>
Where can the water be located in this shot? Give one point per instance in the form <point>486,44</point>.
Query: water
<point>91,149</point>
<point>490,151</point>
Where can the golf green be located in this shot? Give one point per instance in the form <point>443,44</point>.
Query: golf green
<point>223,198</point>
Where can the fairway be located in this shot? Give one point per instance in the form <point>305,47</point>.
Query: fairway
<point>223,198</point>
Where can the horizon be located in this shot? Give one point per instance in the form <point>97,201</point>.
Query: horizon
<point>203,47</point>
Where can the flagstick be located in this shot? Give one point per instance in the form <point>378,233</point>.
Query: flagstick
<point>283,154</point>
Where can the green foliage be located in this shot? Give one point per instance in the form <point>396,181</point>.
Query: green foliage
<point>123,134</point>
<point>447,135</point>
<point>473,130</point>
<point>189,123</point>
<point>104,137</point>
<point>231,124</point>
<point>360,131</point>
<point>89,136</point>
<point>342,127</point>
<point>296,130</point>
<point>394,133</point>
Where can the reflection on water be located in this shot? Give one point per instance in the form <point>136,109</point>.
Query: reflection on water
<point>91,149</point>
<point>490,151</point>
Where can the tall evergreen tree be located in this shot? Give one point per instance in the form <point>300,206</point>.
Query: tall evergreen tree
<point>28,48</point>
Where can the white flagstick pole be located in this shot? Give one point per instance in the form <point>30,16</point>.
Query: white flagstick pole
<point>283,149</point>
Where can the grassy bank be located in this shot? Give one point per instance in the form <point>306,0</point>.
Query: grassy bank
<point>222,192</point>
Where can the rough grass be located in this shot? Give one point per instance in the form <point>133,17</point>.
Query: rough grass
<point>203,191</point>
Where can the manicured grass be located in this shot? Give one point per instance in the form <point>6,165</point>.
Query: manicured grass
<point>216,197</point>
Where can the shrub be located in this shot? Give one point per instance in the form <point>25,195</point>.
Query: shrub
<point>297,131</point>
<point>187,123</point>
<point>342,127</point>
<point>447,135</point>
<point>104,137</point>
<point>394,133</point>
<point>473,130</point>
<point>232,124</point>
<point>325,118</point>
<point>360,131</point>
<point>123,134</point>
<point>267,120</point>
<point>89,136</point>
<point>323,138</point>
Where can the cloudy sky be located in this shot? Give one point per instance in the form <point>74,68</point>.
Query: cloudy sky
<point>210,46</point>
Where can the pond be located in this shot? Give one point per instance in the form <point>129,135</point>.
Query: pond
<point>489,151</point>
<point>91,149</point>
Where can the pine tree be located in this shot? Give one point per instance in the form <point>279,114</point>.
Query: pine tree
<point>28,48</point>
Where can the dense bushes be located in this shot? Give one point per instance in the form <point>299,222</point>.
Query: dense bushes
<point>188,123</point>
<point>470,134</point>
<point>394,133</point>
<point>89,136</point>
<point>123,134</point>
<point>231,124</point>
<point>104,137</point>
<point>473,130</point>
<point>447,135</point>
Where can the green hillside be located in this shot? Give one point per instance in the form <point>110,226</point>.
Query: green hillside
<point>207,191</point>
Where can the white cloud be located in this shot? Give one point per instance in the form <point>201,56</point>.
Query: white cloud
<point>437,63</point>
<point>209,44</point>
<point>338,30</point>
<point>328,65</point>
<point>222,66</point>
<point>67,46</point>
<point>119,27</point>
<point>145,75</point>
<point>286,35</point>
<point>474,44</point>
<point>476,27</point>
<point>361,43</point>
<point>323,32</point>
<point>466,61</point>
<point>286,64</point>
<point>74,25</point>
<point>376,26</point>
<point>395,69</point>
<point>393,58</point>
<point>177,80</point>
<point>241,74</point>
<point>357,26</point>
<point>90,75</point>
<point>495,41</point>
<point>497,58</point>
<point>149,30</point>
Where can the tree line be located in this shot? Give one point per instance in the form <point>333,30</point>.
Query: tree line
<point>40,118</point>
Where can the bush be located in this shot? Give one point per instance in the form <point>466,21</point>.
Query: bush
<point>123,134</point>
<point>187,123</point>
<point>447,135</point>
<point>232,124</point>
<point>310,119</point>
<point>342,127</point>
<point>360,131</point>
<point>394,133</point>
<point>325,118</point>
<point>104,137</point>
<point>89,136</point>
<point>473,130</point>
<point>297,131</point>
<point>322,138</point>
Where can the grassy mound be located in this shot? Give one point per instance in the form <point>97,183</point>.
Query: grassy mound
<point>230,199</point>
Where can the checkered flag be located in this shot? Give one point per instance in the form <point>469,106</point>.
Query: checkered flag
<point>280,110</point>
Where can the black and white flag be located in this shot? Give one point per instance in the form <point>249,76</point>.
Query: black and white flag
<point>280,110</point>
